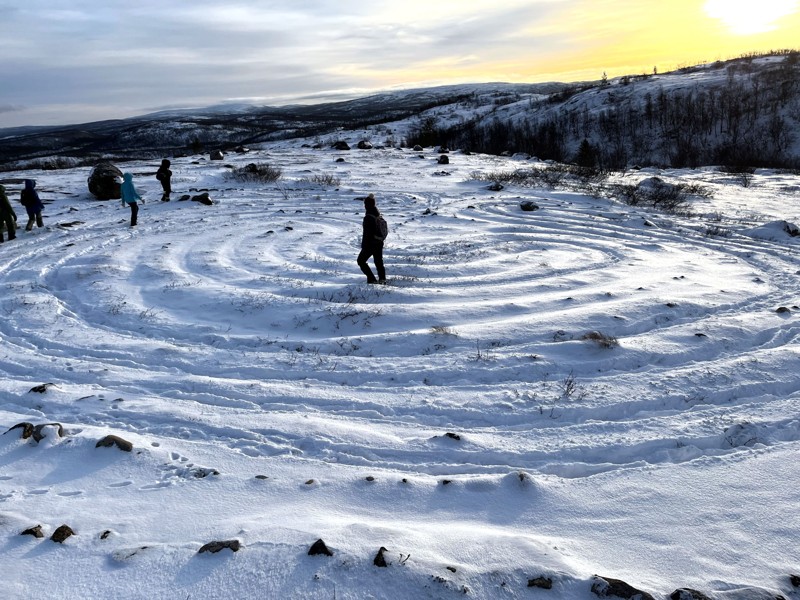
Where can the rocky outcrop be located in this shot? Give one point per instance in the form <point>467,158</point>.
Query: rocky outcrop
<point>105,182</point>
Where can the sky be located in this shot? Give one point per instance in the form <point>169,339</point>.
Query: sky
<point>74,61</point>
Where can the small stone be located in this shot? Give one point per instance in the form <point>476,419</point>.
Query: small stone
<point>607,586</point>
<point>27,429</point>
<point>215,547</point>
<point>453,436</point>
<point>318,548</point>
<point>370,478</point>
<point>795,580</point>
<point>62,533</point>
<point>447,481</point>
<point>105,534</point>
<point>688,594</point>
<point>782,310</point>
<point>528,206</point>
<point>261,477</point>
<point>380,559</point>
<point>34,531</point>
<point>113,440</point>
<point>541,582</point>
<point>38,431</point>
<point>451,569</point>
<point>41,389</point>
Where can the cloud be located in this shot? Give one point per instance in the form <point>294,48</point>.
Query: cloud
<point>9,108</point>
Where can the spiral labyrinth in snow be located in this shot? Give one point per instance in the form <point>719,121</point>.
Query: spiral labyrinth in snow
<point>253,309</point>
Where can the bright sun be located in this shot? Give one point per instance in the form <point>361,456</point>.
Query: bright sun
<point>745,17</point>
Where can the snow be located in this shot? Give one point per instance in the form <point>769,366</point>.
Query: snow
<point>239,340</point>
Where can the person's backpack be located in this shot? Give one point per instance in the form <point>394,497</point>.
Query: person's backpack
<point>383,228</point>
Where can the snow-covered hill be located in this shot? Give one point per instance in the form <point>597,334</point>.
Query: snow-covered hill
<point>537,396</point>
<point>740,113</point>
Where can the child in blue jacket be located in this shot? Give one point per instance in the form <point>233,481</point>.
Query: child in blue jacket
<point>130,196</point>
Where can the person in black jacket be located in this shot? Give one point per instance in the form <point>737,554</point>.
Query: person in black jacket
<point>29,198</point>
<point>371,243</point>
<point>7,216</point>
<point>164,175</point>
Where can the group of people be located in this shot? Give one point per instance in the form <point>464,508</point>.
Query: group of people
<point>374,228</point>
<point>29,198</point>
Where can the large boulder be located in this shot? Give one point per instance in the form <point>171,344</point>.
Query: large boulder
<point>105,181</point>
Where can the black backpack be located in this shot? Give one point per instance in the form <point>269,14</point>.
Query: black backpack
<point>383,228</point>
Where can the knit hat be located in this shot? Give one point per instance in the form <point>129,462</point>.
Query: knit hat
<point>369,201</point>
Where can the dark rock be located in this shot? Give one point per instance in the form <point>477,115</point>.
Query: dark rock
<point>27,429</point>
<point>495,187</point>
<point>242,149</point>
<point>340,160</point>
<point>318,548</point>
<point>443,150</point>
<point>105,534</point>
<point>688,594</point>
<point>541,582</point>
<point>447,481</point>
<point>606,586</point>
<point>105,182</point>
<point>261,477</point>
<point>451,569</point>
<point>185,197</point>
<point>203,199</point>
<point>791,229</point>
<point>113,440</point>
<point>453,436</point>
<point>62,533</point>
<point>528,206</point>
<point>380,559</point>
<point>370,478</point>
<point>38,431</point>
<point>41,389</point>
<point>782,310</point>
<point>340,145</point>
<point>417,148</point>
<point>795,580</point>
<point>216,155</point>
<point>215,547</point>
<point>364,145</point>
<point>34,531</point>
<point>443,160</point>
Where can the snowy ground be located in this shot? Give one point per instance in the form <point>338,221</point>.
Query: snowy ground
<point>240,340</point>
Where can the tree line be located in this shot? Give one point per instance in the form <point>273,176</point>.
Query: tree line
<point>741,114</point>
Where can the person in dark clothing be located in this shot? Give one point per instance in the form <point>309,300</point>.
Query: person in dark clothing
<point>7,216</point>
<point>371,243</point>
<point>130,196</point>
<point>164,175</point>
<point>32,203</point>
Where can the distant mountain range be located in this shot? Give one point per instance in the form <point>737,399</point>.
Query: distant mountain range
<point>742,111</point>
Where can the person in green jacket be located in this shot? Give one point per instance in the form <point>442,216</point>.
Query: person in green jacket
<point>7,216</point>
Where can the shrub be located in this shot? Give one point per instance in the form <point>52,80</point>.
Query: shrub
<point>261,172</point>
<point>601,339</point>
<point>324,180</point>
